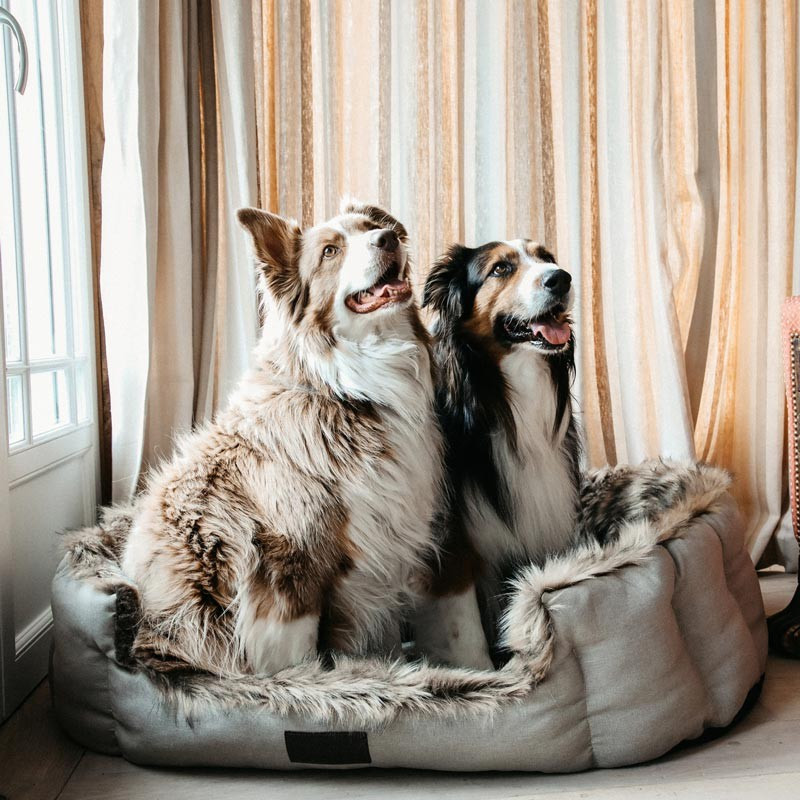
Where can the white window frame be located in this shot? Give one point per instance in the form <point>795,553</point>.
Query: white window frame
<point>63,58</point>
<point>24,646</point>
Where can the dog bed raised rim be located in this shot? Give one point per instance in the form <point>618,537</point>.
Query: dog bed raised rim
<point>649,632</point>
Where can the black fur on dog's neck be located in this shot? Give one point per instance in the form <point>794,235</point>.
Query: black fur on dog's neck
<point>472,394</point>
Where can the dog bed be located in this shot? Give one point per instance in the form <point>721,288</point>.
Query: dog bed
<point>649,632</point>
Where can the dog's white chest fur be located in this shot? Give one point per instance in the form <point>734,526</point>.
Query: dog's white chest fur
<point>393,503</point>
<point>538,475</point>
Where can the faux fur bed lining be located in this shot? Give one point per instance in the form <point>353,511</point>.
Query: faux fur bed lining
<point>626,513</point>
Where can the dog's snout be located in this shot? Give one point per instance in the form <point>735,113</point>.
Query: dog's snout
<point>385,239</point>
<point>557,281</point>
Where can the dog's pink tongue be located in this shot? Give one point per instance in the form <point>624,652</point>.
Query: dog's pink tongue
<point>553,332</point>
<point>390,287</point>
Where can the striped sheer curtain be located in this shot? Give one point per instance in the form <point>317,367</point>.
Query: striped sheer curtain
<point>178,159</point>
<point>652,146</point>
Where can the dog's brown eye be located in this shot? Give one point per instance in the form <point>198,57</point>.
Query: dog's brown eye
<point>501,269</point>
<point>330,251</point>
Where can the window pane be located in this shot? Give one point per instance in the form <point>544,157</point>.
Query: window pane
<point>80,343</point>
<point>82,389</point>
<point>52,132</point>
<point>49,400</point>
<point>10,303</point>
<point>8,250</point>
<point>16,420</point>
<point>44,279</point>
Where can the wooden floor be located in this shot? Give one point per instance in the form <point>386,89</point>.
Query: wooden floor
<point>759,759</point>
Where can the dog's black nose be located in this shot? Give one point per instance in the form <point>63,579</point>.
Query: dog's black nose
<point>557,281</point>
<point>385,239</point>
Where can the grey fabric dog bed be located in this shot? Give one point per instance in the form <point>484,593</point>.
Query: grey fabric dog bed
<point>649,632</point>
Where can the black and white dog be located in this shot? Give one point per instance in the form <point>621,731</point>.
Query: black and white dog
<point>504,349</point>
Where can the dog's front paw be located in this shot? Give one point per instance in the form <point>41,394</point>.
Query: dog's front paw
<point>448,630</point>
<point>272,645</point>
<point>465,650</point>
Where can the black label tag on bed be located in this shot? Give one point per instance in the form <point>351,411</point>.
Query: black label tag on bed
<point>329,747</point>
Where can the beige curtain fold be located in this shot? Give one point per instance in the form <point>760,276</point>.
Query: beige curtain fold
<point>652,145</point>
<point>91,12</point>
<point>741,418</point>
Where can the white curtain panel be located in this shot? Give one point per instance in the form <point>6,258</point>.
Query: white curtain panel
<point>651,145</point>
<point>176,285</point>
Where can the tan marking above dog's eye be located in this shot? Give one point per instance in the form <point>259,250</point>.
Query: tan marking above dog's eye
<point>502,269</point>
<point>329,251</point>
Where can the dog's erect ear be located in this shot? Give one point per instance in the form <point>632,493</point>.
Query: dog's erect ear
<point>447,281</point>
<point>380,217</point>
<point>275,239</point>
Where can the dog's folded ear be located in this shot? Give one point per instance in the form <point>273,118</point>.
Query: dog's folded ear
<point>446,285</point>
<point>275,239</point>
<point>350,205</point>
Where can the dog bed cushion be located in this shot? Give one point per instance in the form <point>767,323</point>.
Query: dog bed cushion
<point>648,632</point>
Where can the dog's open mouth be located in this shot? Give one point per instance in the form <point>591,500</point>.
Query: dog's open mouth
<point>550,332</point>
<point>388,289</point>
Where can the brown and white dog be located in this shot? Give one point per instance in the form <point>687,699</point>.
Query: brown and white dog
<point>503,347</point>
<point>300,520</point>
